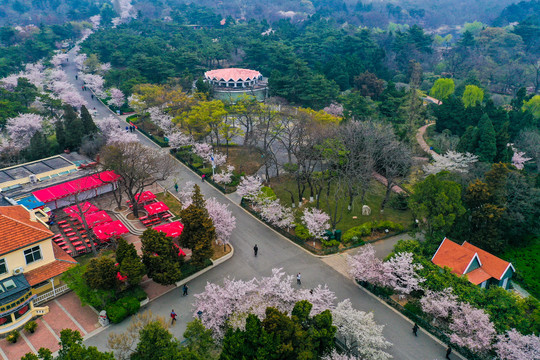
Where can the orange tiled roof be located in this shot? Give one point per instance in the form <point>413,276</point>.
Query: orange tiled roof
<point>234,74</point>
<point>478,276</point>
<point>60,265</point>
<point>491,264</point>
<point>17,230</point>
<point>453,256</point>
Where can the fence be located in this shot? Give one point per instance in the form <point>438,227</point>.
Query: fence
<point>51,294</point>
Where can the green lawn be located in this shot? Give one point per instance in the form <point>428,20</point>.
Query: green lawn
<point>174,205</point>
<point>525,260</point>
<point>373,200</point>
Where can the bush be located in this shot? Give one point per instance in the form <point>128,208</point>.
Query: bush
<point>387,224</point>
<point>301,232</point>
<point>30,326</point>
<point>136,292</point>
<point>116,313</point>
<point>197,165</point>
<point>399,201</point>
<point>206,171</point>
<point>356,233</point>
<point>330,243</point>
<point>13,336</point>
<point>267,192</point>
<point>131,304</point>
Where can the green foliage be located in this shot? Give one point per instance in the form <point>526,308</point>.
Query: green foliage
<point>356,233</point>
<point>71,348</point>
<point>487,145</point>
<point>199,341</point>
<point>533,106</point>
<point>13,336</point>
<point>330,243</point>
<point>442,89</point>
<point>268,193</point>
<point>155,342</point>
<point>101,274</point>
<point>136,292</point>
<point>73,127</point>
<point>39,147</point>
<point>160,258</point>
<point>130,263</point>
<point>472,96</point>
<point>301,231</point>
<point>116,313</point>
<point>30,326</point>
<point>87,121</point>
<point>525,260</point>
<point>74,278</point>
<point>131,304</point>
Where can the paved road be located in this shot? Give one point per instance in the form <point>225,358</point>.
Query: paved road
<point>274,252</point>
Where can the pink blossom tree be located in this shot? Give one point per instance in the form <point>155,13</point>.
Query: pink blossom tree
<point>185,194</point>
<point>55,75</point>
<point>316,222</point>
<point>10,82</point>
<point>439,304</point>
<point>358,330</point>
<point>79,61</point>
<point>21,128</point>
<point>249,187</point>
<point>471,328</point>
<point>365,266</point>
<point>59,59</point>
<point>178,139</point>
<point>519,159</point>
<point>223,220</point>
<point>93,82</point>
<point>103,68</point>
<point>95,20</point>
<point>230,303</point>
<point>514,346</point>
<point>225,176</point>
<point>401,273</point>
<point>273,212</point>
<point>161,119</point>
<point>334,109</point>
<point>206,152</point>
<point>117,97</point>
<point>72,98</point>
<point>112,131</point>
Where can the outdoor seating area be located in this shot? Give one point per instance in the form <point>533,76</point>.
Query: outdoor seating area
<point>157,211</point>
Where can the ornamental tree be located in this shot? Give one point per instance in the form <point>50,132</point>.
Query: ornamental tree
<point>514,346</point>
<point>231,302</point>
<point>439,304</point>
<point>365,266</point>
<point>21,128</point>
<point>223,220</point>
<point>472,96</point>
<point>316,222</point>
<point>160,257</point>
<point>471,328</point>
<point>117,97</point>
<point>225,176</point>
<point>402,274</point>
<point>334,355</point>
<point>249,187</point>
<point>59,59</point>
<point>519,159</point>
<point>451,161</point>
<point>178,139</point>
<point>186,193</point>
<point>273,212</point>
<point>93,82</point>
<point>357,329</point>
<point>161,119</point>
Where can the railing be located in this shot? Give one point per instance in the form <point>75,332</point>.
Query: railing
<point>51,294</point>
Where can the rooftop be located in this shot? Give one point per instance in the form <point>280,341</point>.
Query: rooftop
<point>62,262</point>
<point>17,230</point>
<point>233,74</point>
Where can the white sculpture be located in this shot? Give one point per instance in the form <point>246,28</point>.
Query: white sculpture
<point>366,210</point>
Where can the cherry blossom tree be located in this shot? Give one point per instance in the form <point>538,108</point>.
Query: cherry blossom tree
<point>451,161</point>
<point>9,82</point>
<point>514,346</point>
<point>56,75</point>
<point>21,128</point>
<point>334,355</point>
<point>273,212</point>
<point>402,274</point>
<point>249,187</point>
<point>178,139</point>
<point>34,74</point>
<point>519,159</point>
<point>126,11</point>
<point>439,304</point>
<point>161,119</point>
<point>73,98</point>
<point>225,176</point>
<point>95,20</point>
<point>334,109</point>
<point>316,222</point>
<point>206,152</point>
<point>232,302</point>
<point>79,61</point>
<point>103,68</point>
<point>59,59</point>
<point>93,82</point>
<point>471,328</point>
<point>186,193</point>
<point>112,131</point>
<point>223,220</point>
<point>357,329</point>
<point>365,266</point>
<point>117,97</point>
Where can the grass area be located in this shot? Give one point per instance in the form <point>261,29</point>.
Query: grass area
<point>219,251</point>
<point>174,205</point>
<point>244,159</point>
<point>373,199</point>
<point>525,260</point>
<point>85,259</point>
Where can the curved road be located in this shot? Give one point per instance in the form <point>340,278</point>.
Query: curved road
<point>274,252</point>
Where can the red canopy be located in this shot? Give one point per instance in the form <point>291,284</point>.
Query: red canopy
<point>95,218</point>
<point>145,196</point>
<point>86,208</point>
<point>156,208</point>
<point>172,229</point>
<point>108,230</point>
<point>75,186</point>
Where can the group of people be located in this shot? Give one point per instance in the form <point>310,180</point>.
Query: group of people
<point>130,128</point>
<point>415,332</point>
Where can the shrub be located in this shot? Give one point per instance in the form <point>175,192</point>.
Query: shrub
<point>330,243</point>
<point>131,304</point>
<point>301,231</point>
<point>30,326</point>
<point>399,201</point>
<point>135,291</point>
<point>387,224</point>
<point>206,171</point>
<point>197,165</point>
<point>355,234</point>
<point>116,313</point>
<point>267,192</point>
<point>13,336</point>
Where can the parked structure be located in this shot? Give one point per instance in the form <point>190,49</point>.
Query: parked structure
<point>481,267</point>
<point>230,84</point>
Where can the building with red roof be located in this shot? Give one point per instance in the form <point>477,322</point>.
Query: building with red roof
<point>231,83</point>
<point>481,267</point>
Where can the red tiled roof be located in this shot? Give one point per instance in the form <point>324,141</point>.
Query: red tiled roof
<point>59,266</point>
<point>453,256</point>
<point>478,276</point>
<point>234,74</point>
<point>490,263</point>
<point>17,230</point>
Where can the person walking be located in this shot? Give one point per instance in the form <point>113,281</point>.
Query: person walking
<point>415,329</point>
<point>173,317</point>
<point>184,290</point>
<point>76,77</point>
<point>92,95</point>
<point>202,177</point>
<point>176,187</point>
<point>255,249</point>
<point>448,352</point>
<point>298,279</point>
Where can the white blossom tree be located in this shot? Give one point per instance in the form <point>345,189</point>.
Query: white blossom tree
<point>21,128</point>
<point>232,302</point>
<point>223,220</point>
<point>439,304</point>
<point>514,346</point>
<point>273,212</point>
<point>249,187</point>
<point>112,131</point>
<point>117,97</point>
<point>225,176</point>
<point>365,266</point>
<point>451,161</point>
<point>79,61</point>
<point>358,330</point>
<point>95,20</point>
<point>178,139</point>
<point>402,274</point>
<point>334,355</point>
<point>471,328</point>
<point>59,59</point>
<point>94,82</point>
<point>186,193</point>
<point>316,222</point>
<point>161,119</point>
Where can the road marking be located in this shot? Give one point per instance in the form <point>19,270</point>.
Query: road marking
<point>3,354</point>
<point>71,317</point>
<point>50,329</point>
<point>28,343</point>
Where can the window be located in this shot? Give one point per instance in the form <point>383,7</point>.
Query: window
<point>33,254</point>
<point>3,266</point>
<point>9,285</point>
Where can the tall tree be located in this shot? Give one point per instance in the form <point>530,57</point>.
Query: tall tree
<point>442,88</point>
<point>487,140</point>
<point>87,121</point>
<point>73,127</point>
<point>160,257</point>
<point>60,134</point>
<point>472,96</point>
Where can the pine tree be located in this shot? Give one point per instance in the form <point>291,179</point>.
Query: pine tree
<point>73,127</point>
<point>469,141</point>
<point>160,257</point>
<point>88,123</point>
<point>39,147</point>
<point>504,152</point>
<point>130,263</point>
<point>60,134</point>
<point>199,231</point>
<point>487,142</point>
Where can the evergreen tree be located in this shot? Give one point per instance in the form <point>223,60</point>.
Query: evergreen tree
<point>87,121</point>
<point>504,151</point>
<point>160,257</point>
<point>487,142</point>
<point>74,128</point>
<point>101,274</point>
<point>39,147</point>
<point>496,179</point>
<point>469,141</point>
<point>60,134</point>
<point>130,263</point>
<point>199,231</point>
<point>155,342</point>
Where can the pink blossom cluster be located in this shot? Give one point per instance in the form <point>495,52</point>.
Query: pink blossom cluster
<point>79,61</point>
<point>316,222</point>
<point>32,72</point>
<point>21,128</point>
<point>59,59</point>
<point>178,139</point>
<point>186,193</point>
<point>230,303</point>
<point>206,152</point>
<point>10,82</point>
<point>439,304</point>
<point>93,82</point>
<point>334,355</point>
<point>225,176</point>
<point>223,220</point>
<point>117,97</point>
<point>95,20</point>
<point>66,92</point>
<point>110,128</point>
<point>249,187</point>
<point>85,33</point>
<point>471,328</point>
<point>273,212</point>
<point>334,109</point>
<point>105,67</point>
<point>519,159</point>
<point>161,119</point>
<point>514,346</point>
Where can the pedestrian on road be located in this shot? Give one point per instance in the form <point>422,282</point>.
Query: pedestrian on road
<point>131,128</point>
<point>176,187</point>
<point>202,177</point>
<point>415,329</point>
<point>92,96</point>
<point>76,77</point>
<point>173,317</point>
<point>184,290</point>
<point>448,352</point>
<point>255,249</point>
<point>127,128</point>
<point>298,279</point>
<point>82,87</point>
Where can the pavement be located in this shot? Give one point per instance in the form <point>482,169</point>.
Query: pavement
<point>274,252</point>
